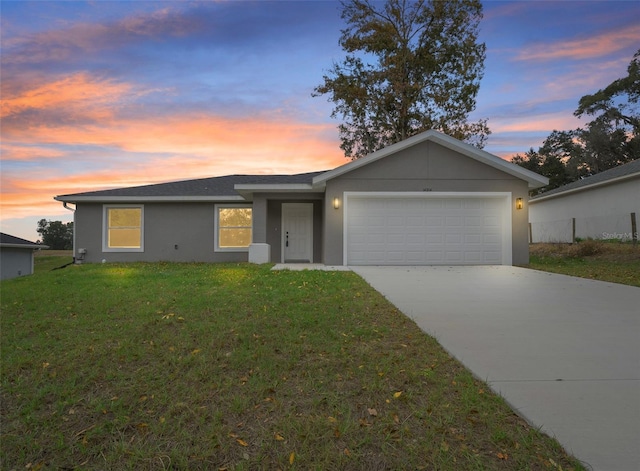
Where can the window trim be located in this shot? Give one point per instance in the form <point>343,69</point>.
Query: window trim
<point>105,227</point>
<point>216,228</point>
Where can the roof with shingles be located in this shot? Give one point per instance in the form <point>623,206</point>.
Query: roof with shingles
<point>6,239</point>
<point>214,186</point>
<point>626,170</point>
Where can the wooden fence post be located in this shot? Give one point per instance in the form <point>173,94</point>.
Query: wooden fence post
<point>530,234</point>
<point>634,229</point>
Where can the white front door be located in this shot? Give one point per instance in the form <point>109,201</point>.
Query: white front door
<point>297,232</point>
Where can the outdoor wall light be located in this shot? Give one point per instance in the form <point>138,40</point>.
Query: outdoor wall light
<point>519,203</point>
<point>336,203</point>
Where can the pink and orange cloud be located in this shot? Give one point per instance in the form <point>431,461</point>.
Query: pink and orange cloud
<point>584,48</point>
<point>152,149</point>
<point>78,94</point>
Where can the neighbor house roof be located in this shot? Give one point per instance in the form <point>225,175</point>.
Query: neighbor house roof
<point>533,179</point>
<point>203,189</point>
<point>614,175</point>
<point>7,240</point>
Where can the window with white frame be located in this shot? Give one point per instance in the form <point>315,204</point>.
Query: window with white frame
<point>123,228</point>
<point>233,228</point>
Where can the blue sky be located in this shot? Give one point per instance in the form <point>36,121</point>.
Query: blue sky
<point>104,94</point>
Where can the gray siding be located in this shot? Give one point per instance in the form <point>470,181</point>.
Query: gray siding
<point>424,167</point>
<point>15,262</point>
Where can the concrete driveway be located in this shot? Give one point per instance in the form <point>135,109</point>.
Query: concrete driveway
<point>563,351</point>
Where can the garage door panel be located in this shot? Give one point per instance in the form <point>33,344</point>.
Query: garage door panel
<point>416,239</point>
<point>493,257</point>
<point>492,221</point>
<point>453,256</point>
<point>491,239</point>
<point>473,239</point>
<point>415,221</point>
<point>453,221</point>
<point>424,231</point>
<point>473,257</point>
<point>453,239</point>
<point>473,221</point>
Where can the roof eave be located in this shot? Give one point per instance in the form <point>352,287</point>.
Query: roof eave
<point>591,186</point>
<point>146,199</point>
<point>247,190</point>
<point>25,246</point>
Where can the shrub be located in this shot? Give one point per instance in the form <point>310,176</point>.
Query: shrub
<point>586,248</point>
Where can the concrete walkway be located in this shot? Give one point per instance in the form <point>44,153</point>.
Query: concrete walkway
<point>563,351</point>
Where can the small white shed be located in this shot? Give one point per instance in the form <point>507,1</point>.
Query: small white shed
<point>16,256</point>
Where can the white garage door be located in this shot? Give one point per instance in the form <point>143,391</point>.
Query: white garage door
<point>427,230</point>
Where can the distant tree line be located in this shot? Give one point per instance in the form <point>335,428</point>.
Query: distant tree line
<point>611,139</point>
<point>56,234</point>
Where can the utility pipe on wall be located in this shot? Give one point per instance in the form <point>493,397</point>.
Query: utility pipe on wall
<point>74,228</point>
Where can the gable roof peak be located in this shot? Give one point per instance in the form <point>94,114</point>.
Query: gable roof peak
<point>534,180</point>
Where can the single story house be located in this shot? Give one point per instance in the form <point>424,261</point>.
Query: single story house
<point>603,206</point>
<point>16,256</point>
<point>428,200</point>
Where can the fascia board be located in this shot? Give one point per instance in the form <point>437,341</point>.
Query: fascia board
<point>273,187</point>
<point>584,188</point>
<point>248,189</point>
<point>25,246</point>
<point>146,199</point>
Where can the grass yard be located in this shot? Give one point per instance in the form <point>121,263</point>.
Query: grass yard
<point>599,260</point>
<point>47,260</point>
<point>235,367</point>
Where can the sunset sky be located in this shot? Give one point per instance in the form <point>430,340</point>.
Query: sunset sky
<point>105,94</point>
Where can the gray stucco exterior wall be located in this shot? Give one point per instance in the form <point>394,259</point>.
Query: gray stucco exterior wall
<point>185,231</point>
<point>172,232</point>
<point>426,166</point>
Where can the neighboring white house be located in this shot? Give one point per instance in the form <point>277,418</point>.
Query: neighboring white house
<point>16,256</point>
<point>602,206</point>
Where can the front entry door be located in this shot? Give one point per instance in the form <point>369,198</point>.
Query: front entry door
<point>297,232</point>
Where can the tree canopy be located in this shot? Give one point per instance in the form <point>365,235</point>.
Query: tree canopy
<point>618,102</point>
<point>612,138</point>
<point>410,66</point>
<point>56,234</point>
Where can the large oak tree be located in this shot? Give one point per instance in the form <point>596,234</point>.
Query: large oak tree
<point>410,66</point>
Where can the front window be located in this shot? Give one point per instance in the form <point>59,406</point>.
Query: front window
<point>123,229</point>
<point>233,228</point>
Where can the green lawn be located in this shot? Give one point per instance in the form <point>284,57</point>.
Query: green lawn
<point>235,367</point>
